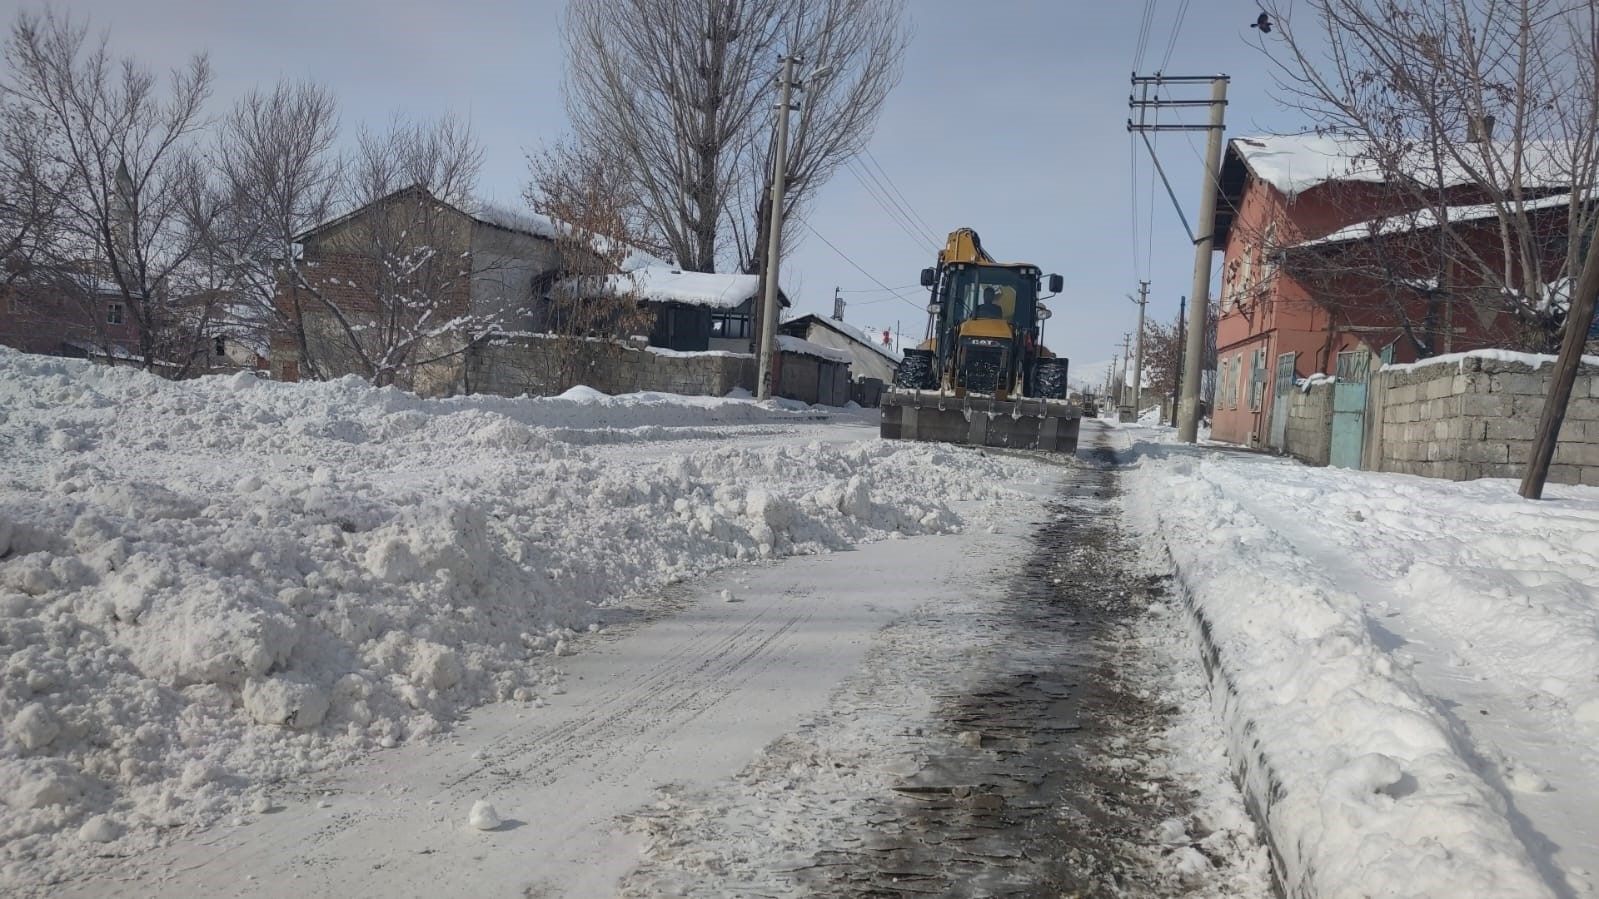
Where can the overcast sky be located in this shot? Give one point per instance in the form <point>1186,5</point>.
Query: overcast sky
<point>1010,118</point>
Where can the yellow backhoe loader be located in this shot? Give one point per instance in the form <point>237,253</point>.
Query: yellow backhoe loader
<point>983,375</point>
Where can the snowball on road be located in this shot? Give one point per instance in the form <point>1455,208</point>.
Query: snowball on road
<point>1416,661</point>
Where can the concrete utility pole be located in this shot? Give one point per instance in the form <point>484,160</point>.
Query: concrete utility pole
<point>1177,376</point>
<point>1121,384</point>
<point>1138,354</point>
<point>1188,407</point>
<point>838,305</point>
<point>775,236</point>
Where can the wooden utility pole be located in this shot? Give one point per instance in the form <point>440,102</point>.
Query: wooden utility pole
<point>1188,414</point>
<point>838,305</point>
<point>1579,319</point>
<point>1138,354</point>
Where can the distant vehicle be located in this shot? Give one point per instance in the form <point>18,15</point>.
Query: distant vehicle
<point>983,376</point>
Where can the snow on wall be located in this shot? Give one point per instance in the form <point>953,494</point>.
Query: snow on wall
<point>1533,361</point>
<point>209,585</point>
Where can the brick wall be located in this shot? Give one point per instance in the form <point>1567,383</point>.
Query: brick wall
<point>1309,433</point>
<point>1476,419</point>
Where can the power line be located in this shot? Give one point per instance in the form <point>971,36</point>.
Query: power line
<point>880,289</point>
<point>1176,29</point>
<point>899,212</point>
<point>923,222</point>
<point>885,204</point>
<point>1143,33</point>
<point>845,257</point>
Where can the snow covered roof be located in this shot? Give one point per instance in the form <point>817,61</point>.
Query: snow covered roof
<point>851,332</point>
<point>524,221</point>
<point>1423,219</point>
<point>789,344</point>
<point>1294,163</point>
<point>661,283</point>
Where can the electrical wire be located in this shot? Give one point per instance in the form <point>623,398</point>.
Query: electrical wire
<point>1176,29</point>
<point>894,215</point>
<point>845,257</point>
<point>907,203</point>
<point>1143,33</point>
<point>879,289</point>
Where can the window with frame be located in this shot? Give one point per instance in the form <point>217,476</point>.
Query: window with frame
<point>1238,381</point>
<point>730,325</point>
<point>113,313</point>
<point>221,345</point>
<point>1223,382</point>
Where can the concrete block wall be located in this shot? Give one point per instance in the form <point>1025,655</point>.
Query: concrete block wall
<point>544,365</point>
<point>1476,418</point>
<point>1308,437</point>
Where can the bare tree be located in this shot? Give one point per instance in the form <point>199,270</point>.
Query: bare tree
<point>32,183</point>
<point>683,102</point>
<point>600,235</point>
<point>276,154</point>
<point>388,292</point>
<point>1457,103</point>
<point>862,43</point>
<point>134,204</point>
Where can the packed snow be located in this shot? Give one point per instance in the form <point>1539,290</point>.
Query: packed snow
<point>1407,669</point>
<point>212,585</point>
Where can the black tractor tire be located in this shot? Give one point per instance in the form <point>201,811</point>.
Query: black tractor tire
<point>916,371</point>
<point>1049,379</point>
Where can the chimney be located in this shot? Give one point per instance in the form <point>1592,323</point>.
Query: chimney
<point>1479,129</point>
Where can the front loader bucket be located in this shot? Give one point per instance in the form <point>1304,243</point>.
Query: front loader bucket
<point>978,421</point>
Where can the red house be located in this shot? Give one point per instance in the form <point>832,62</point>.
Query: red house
<point>79,317</point>
<point>1325,260</point>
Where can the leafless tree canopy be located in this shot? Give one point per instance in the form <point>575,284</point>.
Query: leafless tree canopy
<point>277,156</point>
<point>681,91</point>
<point>1498,99</point>
<point>129,204</point>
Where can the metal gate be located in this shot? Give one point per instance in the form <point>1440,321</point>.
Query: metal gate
<point>1282,390</point>
<point>1349,409</point>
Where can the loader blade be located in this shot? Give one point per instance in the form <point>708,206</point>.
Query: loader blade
<point>978,421</point>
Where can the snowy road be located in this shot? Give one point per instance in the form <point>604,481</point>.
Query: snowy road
<point>684,700</point>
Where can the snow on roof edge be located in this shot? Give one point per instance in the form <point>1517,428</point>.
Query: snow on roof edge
<point>804,347</point>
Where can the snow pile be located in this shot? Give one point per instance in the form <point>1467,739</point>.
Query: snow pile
<point>206,586</point>
<point>1401,674</point>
